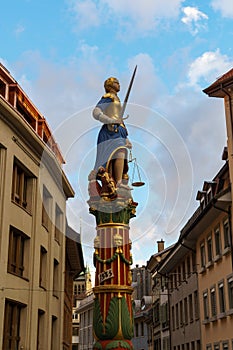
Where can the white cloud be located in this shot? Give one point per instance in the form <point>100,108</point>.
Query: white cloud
<point>192,18</point>
<point>86,12</point>
<point>224,6</point>
<point>208,67</point>
<point>131,16</point>
<point>19,29</point>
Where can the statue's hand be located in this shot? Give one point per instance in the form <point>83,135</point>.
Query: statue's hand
<point>128,144</point>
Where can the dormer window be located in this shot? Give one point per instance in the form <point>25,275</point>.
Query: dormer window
<point>201,196</point>
<point>2,89</point>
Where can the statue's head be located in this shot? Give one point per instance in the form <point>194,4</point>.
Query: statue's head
<point>112,84</point>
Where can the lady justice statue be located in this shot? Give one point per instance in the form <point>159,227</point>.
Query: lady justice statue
<point>111,164</point>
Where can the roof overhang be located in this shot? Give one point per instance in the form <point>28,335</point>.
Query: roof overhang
<point>187,240</point>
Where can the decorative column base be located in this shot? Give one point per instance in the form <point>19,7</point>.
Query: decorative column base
<point>113,314</point>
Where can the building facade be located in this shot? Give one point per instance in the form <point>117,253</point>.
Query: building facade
<point>85,310</point>
<point>82,287</point>
<point>141,282</point>
<point>180,284</point>
<point>158,323</point>
<point>33,245</point>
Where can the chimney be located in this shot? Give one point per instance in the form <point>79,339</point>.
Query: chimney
<point>160,245</point>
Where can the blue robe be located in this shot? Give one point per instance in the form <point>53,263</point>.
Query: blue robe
<point>108,141</point>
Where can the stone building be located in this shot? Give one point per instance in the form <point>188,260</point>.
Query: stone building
<point>37,260</point>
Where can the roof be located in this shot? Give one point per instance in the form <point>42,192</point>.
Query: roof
<point>217,88</point>
<point>19,100</point>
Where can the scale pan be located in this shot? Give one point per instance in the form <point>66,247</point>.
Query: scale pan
<point>138,184</point>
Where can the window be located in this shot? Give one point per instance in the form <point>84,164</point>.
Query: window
<point>75,289</point>
<point>208,347</point>
<point>164,315</point>
<point>196,305</point>
<point>185,310</point>
<point>226,232</point>
<point>175,278</point>
<point>209,194</point>
<point>177,316</point>
<point>225,345</point>
<point>203,260</point>
<point>156,313</point>
<point>54,332</point>
<point>40,330</point>
<point>18,252</point>
<point>230,292</point>
<point>209,248</point>
<point>173,318</point>
<point>190,307</point>
<point>194,265</point>
<point>136,329</point>
<point>183,272</point>
<point>217,237</point>
<point>213,302</point>
<point>205,305</point>
<point>55,278</point>
<point>46,208</point>
<point>2,88</point>
<point>179,274</point>
<point>58,224</point>
<point>221,295</point>
<point>43,267</point>
<point>2,168</point>
<point>181,313</point>
<point>12,323</point>
<point>22,186</point>
<point>216,346</point>
<point>188,266</point>
<point>142,329</point>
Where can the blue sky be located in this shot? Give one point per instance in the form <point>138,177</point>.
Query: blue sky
<point>61,52</point>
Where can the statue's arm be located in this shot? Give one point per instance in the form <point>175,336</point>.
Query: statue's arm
<point>99,115</point>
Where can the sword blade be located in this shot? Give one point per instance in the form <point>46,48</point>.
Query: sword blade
<point>128,92</point>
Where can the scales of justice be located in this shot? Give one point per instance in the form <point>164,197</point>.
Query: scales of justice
<point>112,204</point>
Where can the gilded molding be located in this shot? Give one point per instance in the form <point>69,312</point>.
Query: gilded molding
<point>114,288</point>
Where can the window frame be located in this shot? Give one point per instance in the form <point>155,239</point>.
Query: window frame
<point>46,208</point>
<point>12,324</point>
<point>213,302</point>
<point>18,252</point>
<point>230,291</point>
<point>22,186</point>
<point>203,255</point>
<point>221,297</point>
<point>217,241</point>
<point>206,305</point>
<point>226,234</point>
